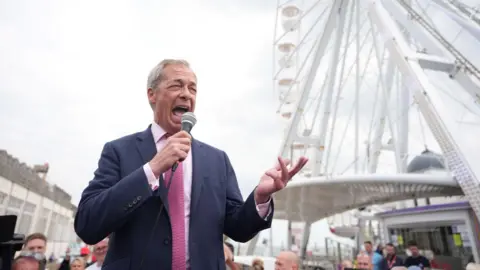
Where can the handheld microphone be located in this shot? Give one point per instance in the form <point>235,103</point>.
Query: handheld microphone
<point>188,121</point>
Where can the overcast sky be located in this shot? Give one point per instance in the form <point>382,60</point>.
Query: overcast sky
<point>73,76</point>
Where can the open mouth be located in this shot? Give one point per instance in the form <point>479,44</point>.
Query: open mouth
<point>180,110</point>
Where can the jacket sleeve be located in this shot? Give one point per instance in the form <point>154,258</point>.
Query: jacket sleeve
<point>109,200</point>
<point>242,220</point>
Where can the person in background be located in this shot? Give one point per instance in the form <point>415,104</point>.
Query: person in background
<point>257,264</point>
<point>231,247</point>
<point>51,259</point>
<point>36,242</point>
<point>364,262</point>
<point>379,249</point>
<point>391,260</point>
<point>85,254</point>
<point>416,259</point>
<point>99,251</point>
<point>287,260</point>
<point>25,263</point>
<point>25,258</point>
<point>78,264</point>
<point>228,254</point>
<point>376,258</point>
<point>346,264</point>
<point>65,265</point>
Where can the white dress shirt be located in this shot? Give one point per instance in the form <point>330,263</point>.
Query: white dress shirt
<point>158,136</point>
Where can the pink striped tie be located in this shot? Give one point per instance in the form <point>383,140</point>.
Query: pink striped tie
<point>176,203</point>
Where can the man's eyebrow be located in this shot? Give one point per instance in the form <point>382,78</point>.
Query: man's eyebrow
<point>183,82</point>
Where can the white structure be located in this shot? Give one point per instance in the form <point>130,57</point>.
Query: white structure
<point>368,85</point>
<point>39,206</point>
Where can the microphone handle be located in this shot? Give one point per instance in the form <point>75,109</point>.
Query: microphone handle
<point>187,129</point>
<point>174,167</point>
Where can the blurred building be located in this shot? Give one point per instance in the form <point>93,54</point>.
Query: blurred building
<point>39,206</point>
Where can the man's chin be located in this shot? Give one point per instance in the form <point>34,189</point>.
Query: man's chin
<point>174,127</point>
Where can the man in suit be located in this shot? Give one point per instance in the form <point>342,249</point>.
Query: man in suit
<point>153,226</point>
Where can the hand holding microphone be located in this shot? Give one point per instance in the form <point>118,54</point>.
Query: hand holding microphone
<point>176,148</point>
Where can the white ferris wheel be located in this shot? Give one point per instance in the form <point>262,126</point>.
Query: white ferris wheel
<point>363,87</point>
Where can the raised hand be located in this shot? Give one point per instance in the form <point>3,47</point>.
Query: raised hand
<point>276,178</point>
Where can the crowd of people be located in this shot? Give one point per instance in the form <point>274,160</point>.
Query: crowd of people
<point>385,258</point>
<point>286,260</point>
<point>33,257</point>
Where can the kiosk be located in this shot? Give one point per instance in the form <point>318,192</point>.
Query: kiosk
<point>447,233</point>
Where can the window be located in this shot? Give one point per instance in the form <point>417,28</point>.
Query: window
<point>437,240</point>
<point>24,225</point>
<point>60,228</point>
<point>14,207</point>
<point>26,218</point>
<point>53,226</point>
<point>15,203</point>
<point>42,220</point>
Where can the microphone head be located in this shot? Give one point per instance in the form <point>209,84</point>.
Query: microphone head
<point>188,121</point>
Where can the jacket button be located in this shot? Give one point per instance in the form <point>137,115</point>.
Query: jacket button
<point>139,198</point>
<point>166,241</point>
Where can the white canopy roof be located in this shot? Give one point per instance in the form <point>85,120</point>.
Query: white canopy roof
<point>312,199</point>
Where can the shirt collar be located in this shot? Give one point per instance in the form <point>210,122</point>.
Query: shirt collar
<point>157,132</point>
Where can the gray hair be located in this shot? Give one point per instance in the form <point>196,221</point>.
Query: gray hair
<point>156,74</point>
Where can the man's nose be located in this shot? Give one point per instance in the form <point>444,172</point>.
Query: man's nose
<point>186,94</point>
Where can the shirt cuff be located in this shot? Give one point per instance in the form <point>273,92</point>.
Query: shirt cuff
<point>264,209</point>
<point>152,180</point>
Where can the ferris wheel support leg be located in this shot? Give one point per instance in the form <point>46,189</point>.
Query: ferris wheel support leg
<point>376,141</point>
<point>305,238</point>
<point>292,129</point>
<point>357,86</point>
<point>454,150</point>
<point>403,125</point>
<point>332,76</point>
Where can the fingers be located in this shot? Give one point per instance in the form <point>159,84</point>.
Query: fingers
<point>286,161</point>
<point>273,174</point>
<point>185,141</point>
<point>277,178</point>
<point>286,174</point>
<point>181,151</point>
<point>300,164</point>
<point>181,134</point>
<point>283,170</point>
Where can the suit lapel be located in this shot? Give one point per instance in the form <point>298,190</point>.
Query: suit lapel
<point>146,145</point>
<point>198,173</point>
<point>147,149</point>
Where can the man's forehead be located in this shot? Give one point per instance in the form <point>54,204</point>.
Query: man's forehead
<point>180,72</point>
<point>36,242</point>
